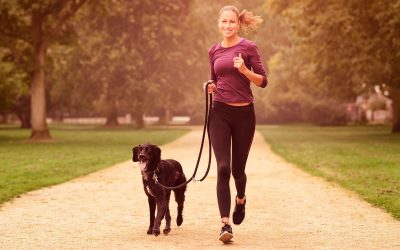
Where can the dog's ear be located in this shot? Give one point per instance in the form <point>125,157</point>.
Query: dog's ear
<point>157,153</point>
<point>135,152</point>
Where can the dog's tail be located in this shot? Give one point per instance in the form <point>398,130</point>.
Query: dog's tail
<point>180,198</point>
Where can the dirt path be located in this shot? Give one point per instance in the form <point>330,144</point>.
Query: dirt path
<point>286,208</point>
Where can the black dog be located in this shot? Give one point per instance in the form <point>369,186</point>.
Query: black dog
<point>169,173</point>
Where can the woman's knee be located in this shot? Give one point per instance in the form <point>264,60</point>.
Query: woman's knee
<point>224,172</point>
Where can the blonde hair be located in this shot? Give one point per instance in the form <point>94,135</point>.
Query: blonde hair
<point>247,19</point>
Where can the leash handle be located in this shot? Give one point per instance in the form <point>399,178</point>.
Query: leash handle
<point>205,128</point>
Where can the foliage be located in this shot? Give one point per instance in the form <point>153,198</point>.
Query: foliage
<point>12,84</point>
<point>150,57</point>
<point>27,29</point>
<point>129,55</point>
<point>337,47</point>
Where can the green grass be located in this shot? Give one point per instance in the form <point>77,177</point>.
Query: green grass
<point>362,159</point>
<point>75,151</point>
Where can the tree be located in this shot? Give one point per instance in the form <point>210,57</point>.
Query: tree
<point>342,46</point>
<point>13,90</point>
<point>37,24</point>
<point>144,57</point>
<point>385,49</point>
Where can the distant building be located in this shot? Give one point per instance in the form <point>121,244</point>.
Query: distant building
<point>372,108</point>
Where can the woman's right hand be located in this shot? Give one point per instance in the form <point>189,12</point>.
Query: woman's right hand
<point>210,87</point>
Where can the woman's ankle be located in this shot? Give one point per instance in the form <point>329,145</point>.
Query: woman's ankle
<point>225,221</point>
<point>240,201</point>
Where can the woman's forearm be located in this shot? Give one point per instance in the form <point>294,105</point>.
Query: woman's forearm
<point>255,78</point>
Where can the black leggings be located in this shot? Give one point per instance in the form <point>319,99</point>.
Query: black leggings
<point>231,125</point>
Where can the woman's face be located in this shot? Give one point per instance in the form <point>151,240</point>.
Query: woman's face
<point>228,24</point>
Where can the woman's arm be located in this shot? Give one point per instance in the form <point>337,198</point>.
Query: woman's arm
<point>257,75</point>
<point>210,58</point>
<point>255,78</point>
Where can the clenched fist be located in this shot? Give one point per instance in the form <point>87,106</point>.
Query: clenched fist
<point>210,87</point>
<point>238,63</point>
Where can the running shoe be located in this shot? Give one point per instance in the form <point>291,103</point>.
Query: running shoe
<point>226,234</point>
<point>239,212</point>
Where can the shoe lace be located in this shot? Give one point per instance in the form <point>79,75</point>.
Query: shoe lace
<point>226,227</point>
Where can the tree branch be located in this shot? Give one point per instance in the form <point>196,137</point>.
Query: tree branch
<point>69,10</point>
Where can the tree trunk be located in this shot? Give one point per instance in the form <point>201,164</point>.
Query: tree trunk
<point>40,130</point>
<point>3,118</point>
<point>112,115</point>
<point>22,108</point>
<point>165,117</point>
<point>395,96</point>
<point>25,119</point>
<point>138,117</point>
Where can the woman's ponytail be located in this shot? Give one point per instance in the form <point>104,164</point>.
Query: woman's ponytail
<point>248,20</point>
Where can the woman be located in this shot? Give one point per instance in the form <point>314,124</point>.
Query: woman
<point>235,63</point>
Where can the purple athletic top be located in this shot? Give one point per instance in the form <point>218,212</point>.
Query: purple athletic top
<point>233,86</point>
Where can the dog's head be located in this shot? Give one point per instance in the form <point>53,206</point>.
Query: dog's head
<point>148,156</point>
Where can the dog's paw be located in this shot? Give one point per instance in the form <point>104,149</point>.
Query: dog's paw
<point>179,220</point>
<point>150,230</point>
<point>166,230</point>
<point>156,232</point>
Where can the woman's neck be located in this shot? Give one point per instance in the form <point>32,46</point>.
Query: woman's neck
<point>231,41</point>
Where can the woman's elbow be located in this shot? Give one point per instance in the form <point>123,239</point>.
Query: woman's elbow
<point>264,82</point>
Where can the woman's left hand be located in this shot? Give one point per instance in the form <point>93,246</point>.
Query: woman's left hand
<point>238,63</point>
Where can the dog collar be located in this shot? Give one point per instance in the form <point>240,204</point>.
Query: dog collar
<point>155,177</point>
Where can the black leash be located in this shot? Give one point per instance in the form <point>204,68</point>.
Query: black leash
<point>205,127</point>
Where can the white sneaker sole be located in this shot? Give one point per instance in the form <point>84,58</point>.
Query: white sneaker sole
<point>226,237</point>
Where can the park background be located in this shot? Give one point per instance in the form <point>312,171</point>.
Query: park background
<point>329,62</point>
<point>333,71</point>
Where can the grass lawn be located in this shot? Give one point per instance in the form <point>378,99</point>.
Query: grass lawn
<point>365,160</point>
<point>75,151</point>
